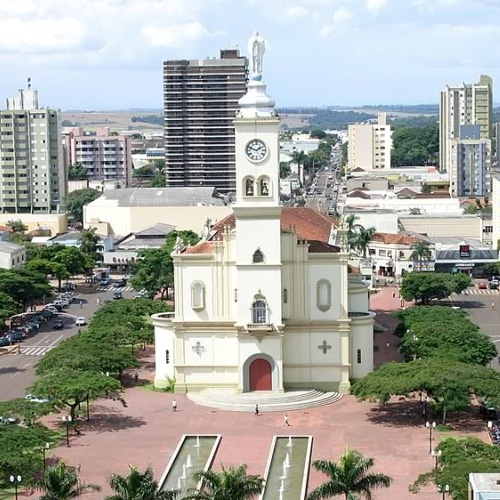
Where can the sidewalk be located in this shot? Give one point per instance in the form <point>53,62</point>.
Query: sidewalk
<point>383,303</point>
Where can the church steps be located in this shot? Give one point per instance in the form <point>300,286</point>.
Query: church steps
<point>267,403</point>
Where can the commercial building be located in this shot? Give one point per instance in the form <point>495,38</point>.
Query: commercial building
<point>106,157</point>
<point>470,165</point>
<point>495,209</point>
<point>370,145</point>
<point>484,486</point>
<point>200,101</point>
<point>12,256</point>
<point>465,104</point>
<point>120,212</point>
<point>32,177</point>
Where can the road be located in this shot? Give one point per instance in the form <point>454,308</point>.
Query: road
<point>17,371</point>
<point>323,196</point>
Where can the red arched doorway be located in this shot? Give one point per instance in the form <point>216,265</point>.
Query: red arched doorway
<point>260,375</point>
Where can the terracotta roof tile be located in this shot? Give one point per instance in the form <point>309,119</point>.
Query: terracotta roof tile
<point>395,239</point>
<point>201,247</point>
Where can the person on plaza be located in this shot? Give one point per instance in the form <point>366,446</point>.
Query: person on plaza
<point>136,377</point>
<point>493,305</point>
<point>174,405</point>
<point>388,344</point>
<point>98,300</point>
<point>256,410</point>
<point>286,422</point>
<point>394,295</point>
<point>81,304</point>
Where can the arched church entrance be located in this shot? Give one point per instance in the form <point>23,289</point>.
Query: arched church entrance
<point>260,375</point>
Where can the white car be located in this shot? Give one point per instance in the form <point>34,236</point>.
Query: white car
<point>80,321</point>
<point>35,399</point>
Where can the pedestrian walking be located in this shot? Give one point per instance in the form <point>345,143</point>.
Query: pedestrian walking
<point>256,410</point>
<point>393,295</point>
<point>81,304</point>
<point>493,305</point>
<point>286,422</point>
<point>98,300</point>
<point>174,405</point>
<point>136,377</point>
<point>388,345</point>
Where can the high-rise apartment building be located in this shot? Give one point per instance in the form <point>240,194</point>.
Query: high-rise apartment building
<point>200,102</point>
<point>470,166</point>
<point>106,157</point>
<point>370,144</point>
<point>466,104</point>
<point>32,176</point>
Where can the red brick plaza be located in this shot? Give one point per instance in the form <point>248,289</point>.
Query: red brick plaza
<point>146,432</point>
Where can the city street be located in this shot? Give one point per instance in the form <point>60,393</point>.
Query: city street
<point>17,371</point>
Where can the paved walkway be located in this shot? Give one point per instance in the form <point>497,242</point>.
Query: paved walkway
<point>146,432</point>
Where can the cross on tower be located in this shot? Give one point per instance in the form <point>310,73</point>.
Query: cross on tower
<point>198,348</point>
<point>324,346</point>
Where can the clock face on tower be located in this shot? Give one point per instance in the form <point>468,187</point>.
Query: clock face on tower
<point>256,150</point>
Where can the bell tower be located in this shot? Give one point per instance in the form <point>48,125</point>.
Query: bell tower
<point>258,207</point>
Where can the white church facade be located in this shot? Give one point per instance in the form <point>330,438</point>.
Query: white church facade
<point>266,302</point>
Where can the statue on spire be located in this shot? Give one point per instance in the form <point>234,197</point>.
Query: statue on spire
<point>256,49</point>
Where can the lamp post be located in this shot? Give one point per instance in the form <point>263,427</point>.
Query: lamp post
<point>431,427</point>
<point>67,421</point>
<point>16,480</point>
<point>88,409</point>
<point>444,489</point>
<point>436,454</point>
<point>44,450</point>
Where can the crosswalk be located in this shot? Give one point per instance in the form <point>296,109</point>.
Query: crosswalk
<point>478,291</point>
<point>35,350</point>
<point>112,288</point>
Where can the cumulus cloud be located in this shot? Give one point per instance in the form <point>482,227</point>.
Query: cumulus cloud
<point>338,24</point>
<point>375,5</point>
<point>174,36</point>
<point>296,11</point>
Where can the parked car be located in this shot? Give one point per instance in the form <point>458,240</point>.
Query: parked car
<point>482,286</point>
<point>36,399</point>
<point>80,321</point>
<point>105,281</point>
<point>4,342</point>
<point>58,324</point>
<point>493,285</point>
<point>47,313</point>
<point>14,336</point>
<point>9,421</point>
<point>117,295</point>
<point>52,309</point>
<point>121,283</point>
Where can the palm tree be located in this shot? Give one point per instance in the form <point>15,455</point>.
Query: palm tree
<point>138,486</point>
<point>230,484</point>
<point>61,482</point>
<point>299,157</point>
<point>421,252</point>
<point>90,243</point>
<point>362,237</point>
<point>350,224</point>
<point>349,477</point>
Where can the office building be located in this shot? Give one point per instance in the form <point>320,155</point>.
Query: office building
<point>466,104</point>
<point>32,178</point>
<point>200,103</point>
<point>106,157</point>
<point>484,486</point>
<point>370,145</point>
<point>470,164</point>
<point>496,143</point>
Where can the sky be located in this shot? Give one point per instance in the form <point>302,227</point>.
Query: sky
<point>108,54</point>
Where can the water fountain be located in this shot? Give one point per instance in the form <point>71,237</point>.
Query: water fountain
<point>193,453</point>
<point>287,460</point>
<point>290,442</point>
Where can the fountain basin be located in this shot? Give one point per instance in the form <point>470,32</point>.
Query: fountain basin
<point>193,453</point>
<point>287,469</point>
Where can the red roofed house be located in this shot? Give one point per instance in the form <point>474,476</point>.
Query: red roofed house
<point>265,303</point>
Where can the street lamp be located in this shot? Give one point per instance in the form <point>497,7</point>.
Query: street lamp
<point>444,489</point>
<point>430,427</point>
<point>44,449</point>
<point>436,454</point>
<point>67,421</point>
<point>16,480</point>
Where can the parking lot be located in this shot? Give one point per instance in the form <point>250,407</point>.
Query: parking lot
<point>17,370</point>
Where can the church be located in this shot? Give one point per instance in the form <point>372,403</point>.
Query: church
<point>266,301</point>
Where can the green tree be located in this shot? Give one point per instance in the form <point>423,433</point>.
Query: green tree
<point>421,252</point>
<point>77,172</point>
<point>422,287</point>
<point>17,226</point>
<point>299,157</point>
<point>75,201</point>
<point>491,269</point>
<point>415,146</point>
<point>42,266</point>
<point>138,486</point>
<point>60,272</point>
<point>26,411</point>
<point>73,259</point>
<point>284,169</point>
<point>230,484</point>
<point>448,383</point>
<point>61,482</point>
<point>349,477</point>
<point>317,134</point>
<point>70,388</point>
<point>90,244</point>
<point>361,238</point>
<point>23,285</point>
<point>158,180</point>
<point>8,307</point>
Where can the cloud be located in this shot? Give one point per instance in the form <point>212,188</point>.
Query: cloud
<point>375,5</point>
<point>338,24</point>
<point>174,36</point>
<point>297,11</point>
<point>45,35</point>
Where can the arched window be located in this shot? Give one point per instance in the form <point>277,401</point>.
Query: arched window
<point>258,256</point>
<point>259,311</point>
<point>249,186</point>
<point>323,295</point>
<point>198,296</point>
<point>264,184</point>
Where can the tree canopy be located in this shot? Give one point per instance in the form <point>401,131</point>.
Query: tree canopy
<point>415,146</point>
<point>77,172</point>
<point>422,287</point>
<point>448,383</point>
<point>74,202</point>
<point>23,285</point>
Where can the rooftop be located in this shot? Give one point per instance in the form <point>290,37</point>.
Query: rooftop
<point>395,239</point>
<point>6,247</point>
<point>160,197</point>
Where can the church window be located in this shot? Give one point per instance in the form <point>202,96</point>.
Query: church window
<point>358,356</point>
<point>259,311</point>
<point>198,295</point>
<point>258,256</point>
<point>249,186</point>
<point>264,186</point>
<point>323,295</point>
<point>285,296</point>
<point>167,356</point>
<point>236,295</point>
